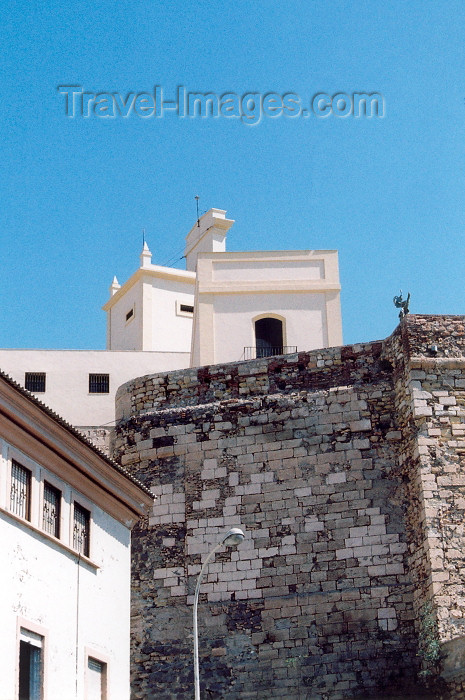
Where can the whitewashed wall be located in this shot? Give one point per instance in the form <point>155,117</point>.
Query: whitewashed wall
<point>154,293</point>
<point>299,287</point>
<point>305,327</point>
<point>171,331</point>
<point>76,605</point>
<point>67,381</point>
<point>122,334</point>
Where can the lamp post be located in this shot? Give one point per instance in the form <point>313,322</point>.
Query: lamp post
<point>231,539</point>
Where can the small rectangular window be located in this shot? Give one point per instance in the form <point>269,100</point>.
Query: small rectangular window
<point>81,529</point>
<point>35,381</point>
<point>99,383</point>
<point>129,314</point>
<point>30,665</point>
<point>20,491</point>
<point>51,512</point>
<point>96,679</point>
<point>184,309</point>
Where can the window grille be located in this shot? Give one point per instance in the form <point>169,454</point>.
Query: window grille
<point>99,383</point>
<point>35,381</point>
<point>51,513</point>
<point>81,530</point>
<point>20,493</point>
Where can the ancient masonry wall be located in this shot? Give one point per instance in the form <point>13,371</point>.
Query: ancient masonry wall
<point>428,355</point>
<point>344,468</point>
<point>103,438</point>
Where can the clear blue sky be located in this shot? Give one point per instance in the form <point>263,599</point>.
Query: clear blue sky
<point>387,193</point>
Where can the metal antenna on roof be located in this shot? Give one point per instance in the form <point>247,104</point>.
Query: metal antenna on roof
<point>197,202</point>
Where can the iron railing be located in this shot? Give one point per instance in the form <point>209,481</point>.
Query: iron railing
<point>254,352</point>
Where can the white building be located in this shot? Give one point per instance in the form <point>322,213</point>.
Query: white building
<point>65,517</point>
<point>80,385</point>
<point>152,311</point>
<point>251,305</point>
<point>225,307</point>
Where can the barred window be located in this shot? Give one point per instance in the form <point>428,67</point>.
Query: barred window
<point>99,383</point>
<point>20,492</point>
<point>51,512</point>
<point>35,381</point>
<point>81,529</point>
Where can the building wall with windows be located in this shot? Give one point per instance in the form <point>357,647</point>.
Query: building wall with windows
<point>65,518</point>
<point>66,376</point>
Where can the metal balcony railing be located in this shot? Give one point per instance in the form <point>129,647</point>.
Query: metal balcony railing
<point>253,352</point>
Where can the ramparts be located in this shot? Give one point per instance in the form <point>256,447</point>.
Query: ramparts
<point>345,468</point>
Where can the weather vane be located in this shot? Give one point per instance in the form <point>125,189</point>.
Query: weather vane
<point>197,201</point>
<point>402,304</point>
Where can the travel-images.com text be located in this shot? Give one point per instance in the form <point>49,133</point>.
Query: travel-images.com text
<point>250,107</point>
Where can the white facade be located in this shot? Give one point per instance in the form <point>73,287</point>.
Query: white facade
<point>299,289</point>
<point>46,589</point>
<point>233,291</point>
<point>67,378</point>
<point>65,598</point>
<point>146,313</point>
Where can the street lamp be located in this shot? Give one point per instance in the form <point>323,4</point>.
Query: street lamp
<point>231,539</point>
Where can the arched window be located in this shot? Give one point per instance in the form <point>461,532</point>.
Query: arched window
<point>268,337</point>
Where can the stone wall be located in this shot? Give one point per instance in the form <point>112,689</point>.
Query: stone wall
<point>430,412</point>
<point>349,579</point>
<point>103,438</point>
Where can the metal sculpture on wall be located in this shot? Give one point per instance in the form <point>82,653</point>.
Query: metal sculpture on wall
<point>402,304</point>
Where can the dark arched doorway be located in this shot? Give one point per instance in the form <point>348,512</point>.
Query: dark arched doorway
<point>268,337</point>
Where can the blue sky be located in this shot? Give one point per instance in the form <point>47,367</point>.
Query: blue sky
<point>388,193</point>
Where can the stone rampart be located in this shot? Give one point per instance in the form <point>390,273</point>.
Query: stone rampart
<point>349,580</point>
<point>428,356</point>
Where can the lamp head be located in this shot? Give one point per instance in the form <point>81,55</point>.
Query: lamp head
<point>233,537</point>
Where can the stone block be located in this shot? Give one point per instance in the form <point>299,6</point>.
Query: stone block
<point>360,425</point>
